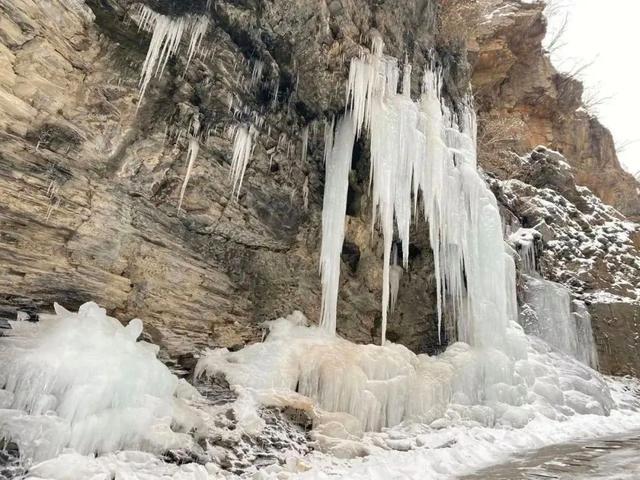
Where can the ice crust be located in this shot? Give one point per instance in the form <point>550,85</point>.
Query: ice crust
<point>82,381</point>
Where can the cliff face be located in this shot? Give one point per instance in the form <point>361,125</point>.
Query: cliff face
<point>89,184</point>
<point>582,244</point>
<point>523,102</point>
<point>90,178</point>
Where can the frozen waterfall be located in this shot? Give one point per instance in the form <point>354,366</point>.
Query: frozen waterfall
<point>423,162</point>
<point>424,150</point>
<point>550,314</point>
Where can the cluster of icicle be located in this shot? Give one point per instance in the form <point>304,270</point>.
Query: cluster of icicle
<point>243,144</point>
<point>420,150</point>
<point>167,33</point>
<point>166,36</point>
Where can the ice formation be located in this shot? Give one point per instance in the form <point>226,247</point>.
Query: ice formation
<point>166,36</point>
<point>83,381</point>
<point>192,154</point>
<point>338,152</point>
<point>423,160</point>
<point>552,321</point>
<point>525,240</point>
<point>305,144</point>
<point>422,149</point>
<point>256,73</point>
<point>586,350</point>
<point>359,388</point>
<point>550,314</point>
<point>243,144</point>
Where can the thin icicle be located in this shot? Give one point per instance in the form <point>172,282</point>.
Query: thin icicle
<point>256,73</point>
<point>305,143</point>
<point>192,154</point>
<point>338,152</point>
<point>243,144</point>
<point>305,193</point>
<point>199,26</point>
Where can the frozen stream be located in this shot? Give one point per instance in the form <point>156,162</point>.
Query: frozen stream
<point>613,458</point>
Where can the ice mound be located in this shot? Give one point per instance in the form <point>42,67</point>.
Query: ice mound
<point>82,381</point>
<point>358,388</point>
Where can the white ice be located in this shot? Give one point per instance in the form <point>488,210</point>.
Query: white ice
<point>338,152</point>
<point>83,381</point>
<point>358,388</point>
<point>192,155</point>
<point>166,36</point>
<point>243,145</point>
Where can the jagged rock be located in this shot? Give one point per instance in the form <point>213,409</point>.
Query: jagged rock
<point>523,101</point>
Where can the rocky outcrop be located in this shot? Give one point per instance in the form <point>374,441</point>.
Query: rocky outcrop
<point>89,183</point>
<point>523,101</point>
<point>586,245</point>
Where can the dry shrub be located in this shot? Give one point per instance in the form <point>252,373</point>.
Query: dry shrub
<point>498,138</point>
<point>459,21</point>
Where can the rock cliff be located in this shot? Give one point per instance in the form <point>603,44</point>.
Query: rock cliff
<point>91,174</point>
<point>90,177</point>
<point>523,102</point>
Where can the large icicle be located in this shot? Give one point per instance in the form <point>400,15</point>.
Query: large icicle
<point>165,42</point>
<point>423,148</point>
<point>166,36</point>
<point>198,27</point>
<point>338,152</point>
<point>242,149</point>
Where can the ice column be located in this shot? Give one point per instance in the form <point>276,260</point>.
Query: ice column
<point>338,152</point>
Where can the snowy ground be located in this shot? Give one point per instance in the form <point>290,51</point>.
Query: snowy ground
<point>50,408</point>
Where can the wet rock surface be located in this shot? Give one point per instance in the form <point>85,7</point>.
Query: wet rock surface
<point>610,458</point>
